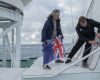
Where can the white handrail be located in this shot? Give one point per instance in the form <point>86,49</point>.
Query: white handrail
<point>95,51</point>
<point>8,30</point>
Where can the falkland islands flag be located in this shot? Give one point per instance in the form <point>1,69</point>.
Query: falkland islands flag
<point>53,50</point>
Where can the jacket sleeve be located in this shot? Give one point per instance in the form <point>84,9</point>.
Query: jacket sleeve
<point>44,31</point>
<point>81,36</point>
<point>96,24</point>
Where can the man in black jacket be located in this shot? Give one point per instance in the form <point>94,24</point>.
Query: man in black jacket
<point>86,33</point>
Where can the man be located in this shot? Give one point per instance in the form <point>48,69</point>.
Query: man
<point>86,33</point>
<point>50,31</point>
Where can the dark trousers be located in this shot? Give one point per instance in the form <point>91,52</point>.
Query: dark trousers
<point>77,46</point>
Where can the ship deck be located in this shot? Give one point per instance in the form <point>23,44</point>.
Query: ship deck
<point>36,70</point>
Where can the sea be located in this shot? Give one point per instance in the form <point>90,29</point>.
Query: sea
<point>29,52</point>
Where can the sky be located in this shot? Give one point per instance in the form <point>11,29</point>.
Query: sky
<point>36,13</point>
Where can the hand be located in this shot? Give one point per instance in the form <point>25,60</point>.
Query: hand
<point>92,42</point>
<point>98,35</point>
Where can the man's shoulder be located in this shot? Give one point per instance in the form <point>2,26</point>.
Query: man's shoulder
<point>90,20</point>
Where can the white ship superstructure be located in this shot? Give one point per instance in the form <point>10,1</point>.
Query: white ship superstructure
<point>11,18</point>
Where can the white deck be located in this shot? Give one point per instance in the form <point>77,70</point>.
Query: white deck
<point>36,70</point>
<point>11,73</point>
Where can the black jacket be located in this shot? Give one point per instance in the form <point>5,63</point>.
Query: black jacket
<point>88,33</point>
<point>48,28</point>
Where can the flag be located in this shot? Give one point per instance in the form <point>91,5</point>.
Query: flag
<point>48,53</point>
<point>58,48</point>
<point>53,50</point>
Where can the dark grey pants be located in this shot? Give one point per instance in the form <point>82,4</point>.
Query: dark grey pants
<point>77,46</point>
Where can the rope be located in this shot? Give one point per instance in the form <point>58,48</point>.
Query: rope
<point>83,8</point>
<point>72,20</point>
<point>90,10</point>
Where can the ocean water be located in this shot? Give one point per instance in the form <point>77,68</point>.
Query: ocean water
<point>29,52</point>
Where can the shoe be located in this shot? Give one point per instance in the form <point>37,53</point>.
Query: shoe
<point>67,61</point>
<point>85,65</point>
<point>47,67</point>
<point>59,61</point>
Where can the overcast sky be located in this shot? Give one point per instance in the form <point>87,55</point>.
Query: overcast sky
<point>36,13</point>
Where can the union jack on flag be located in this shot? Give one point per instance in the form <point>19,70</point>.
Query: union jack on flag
<point>58,48</point>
